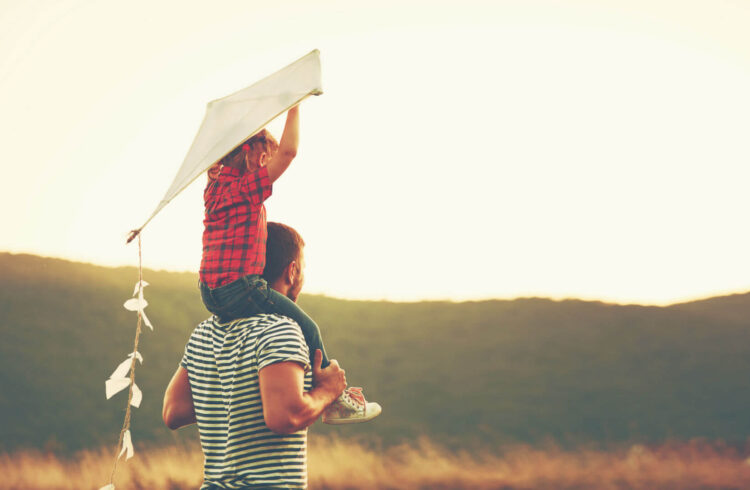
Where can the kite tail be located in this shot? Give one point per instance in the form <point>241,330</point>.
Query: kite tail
<point>126,422</point>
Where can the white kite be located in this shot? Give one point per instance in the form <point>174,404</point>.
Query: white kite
<point>231,120</point>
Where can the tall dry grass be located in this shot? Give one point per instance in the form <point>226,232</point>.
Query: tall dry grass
<point>341,464</point>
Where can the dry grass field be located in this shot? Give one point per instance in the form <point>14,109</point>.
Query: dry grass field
<point>339,464</point>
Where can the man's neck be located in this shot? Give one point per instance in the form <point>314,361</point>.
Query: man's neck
<point>281,287</point>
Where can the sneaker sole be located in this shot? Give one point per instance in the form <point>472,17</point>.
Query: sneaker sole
<point>373,413</point>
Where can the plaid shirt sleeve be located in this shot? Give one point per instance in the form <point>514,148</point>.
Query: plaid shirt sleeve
<point>255,186</point>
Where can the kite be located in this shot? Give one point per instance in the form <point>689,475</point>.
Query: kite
<point>231,120</point>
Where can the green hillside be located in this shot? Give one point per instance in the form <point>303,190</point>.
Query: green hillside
<point>463,373</point>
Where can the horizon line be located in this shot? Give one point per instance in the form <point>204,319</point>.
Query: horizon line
<point>426,299</point>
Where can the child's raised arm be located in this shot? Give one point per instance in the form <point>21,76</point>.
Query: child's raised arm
<point>287,146</point>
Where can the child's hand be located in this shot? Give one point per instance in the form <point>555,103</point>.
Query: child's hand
<point>213,172</point>
<point>332,378</point>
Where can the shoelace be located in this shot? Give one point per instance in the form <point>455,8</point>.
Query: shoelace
<point>354,395</point>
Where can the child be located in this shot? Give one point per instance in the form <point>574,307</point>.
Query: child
<point>234,248</point>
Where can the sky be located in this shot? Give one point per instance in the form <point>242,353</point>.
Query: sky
<point>461,150</point>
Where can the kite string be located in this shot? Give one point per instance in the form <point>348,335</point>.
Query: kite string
<point>126,422</point>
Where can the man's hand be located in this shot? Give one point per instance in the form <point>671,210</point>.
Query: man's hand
<point>332,379</point>
<point>213,172</point>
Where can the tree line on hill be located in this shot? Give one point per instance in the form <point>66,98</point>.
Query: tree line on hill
<point>486,372</point>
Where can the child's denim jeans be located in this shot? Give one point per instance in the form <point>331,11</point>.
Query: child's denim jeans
<point>249,296</point>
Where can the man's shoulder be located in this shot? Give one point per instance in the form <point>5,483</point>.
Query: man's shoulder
<point>214,326</point>
<point>261,320</point>
<point>271,325</point>
<point>253,332</point>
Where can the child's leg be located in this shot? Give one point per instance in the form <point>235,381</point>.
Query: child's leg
<point>250,296</point>
<point>231,301</point>
<point>280,304</point>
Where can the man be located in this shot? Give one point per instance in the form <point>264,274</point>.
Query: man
<point>247,383</point>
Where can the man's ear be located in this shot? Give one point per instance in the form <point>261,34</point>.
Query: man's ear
<point>291,272</point>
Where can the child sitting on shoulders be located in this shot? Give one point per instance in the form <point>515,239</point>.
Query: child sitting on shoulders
<point>234,248</point>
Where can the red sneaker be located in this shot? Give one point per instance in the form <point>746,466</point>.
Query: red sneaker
<point>351,408</point>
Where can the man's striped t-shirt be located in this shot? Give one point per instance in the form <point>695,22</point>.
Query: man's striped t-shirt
<point>223,362</point>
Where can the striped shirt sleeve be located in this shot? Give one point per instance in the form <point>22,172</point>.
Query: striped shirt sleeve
<point>282,342</point>
<point>187,359</point>
<point>198,341</point>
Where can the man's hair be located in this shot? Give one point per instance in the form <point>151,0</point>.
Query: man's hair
<point>282,247</point>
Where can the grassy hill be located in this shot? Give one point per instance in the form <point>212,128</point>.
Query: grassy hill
<point>464,373</point>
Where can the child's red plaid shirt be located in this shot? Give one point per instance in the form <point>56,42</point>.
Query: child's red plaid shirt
<point>234,237</point>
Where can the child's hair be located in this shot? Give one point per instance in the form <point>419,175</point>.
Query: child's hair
<point>264,141</point>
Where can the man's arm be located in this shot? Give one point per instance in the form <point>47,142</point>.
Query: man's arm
<point>287,407</point>
<point>178,410</point>
<point>287,146</point>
